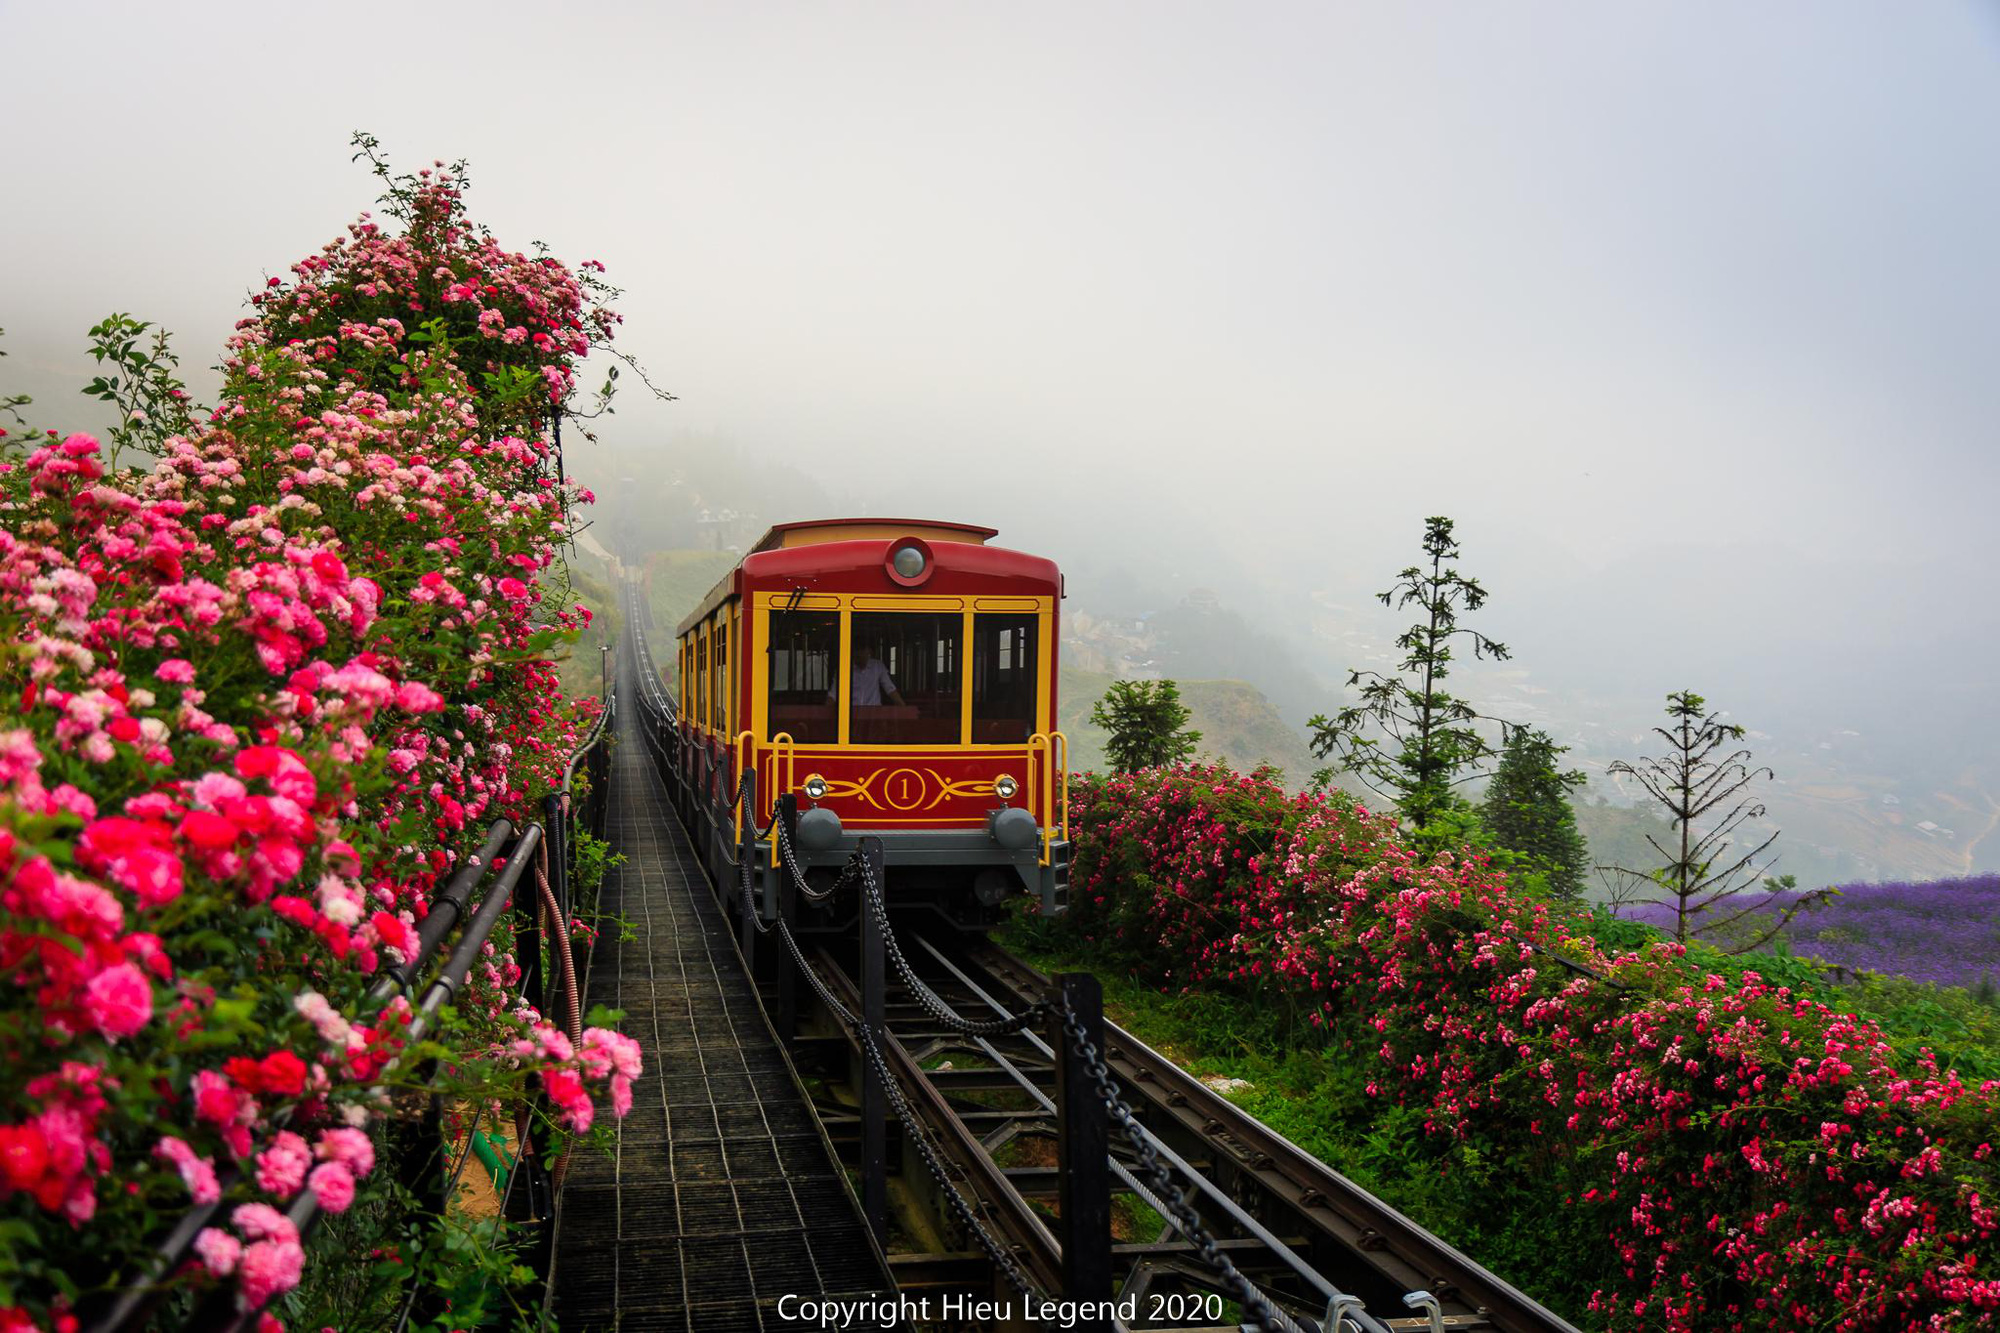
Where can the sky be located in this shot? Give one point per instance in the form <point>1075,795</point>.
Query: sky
<point>1687,313</point>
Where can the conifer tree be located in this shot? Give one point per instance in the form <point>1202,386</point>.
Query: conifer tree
<point>1147,722</point>
<point>1527,810</point>
<point>1409,739</point>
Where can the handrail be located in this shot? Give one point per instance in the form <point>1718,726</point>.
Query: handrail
<point>1040,765</point>
<point>784,751</point>
<point>597,729</point>
<point>445,909</point>
<point>132,1305</point>
<point>1060,766</point>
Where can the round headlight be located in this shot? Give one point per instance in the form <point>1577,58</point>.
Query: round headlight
<point>909,562</point>
<point>1004,787</point>
<point>815,787</point>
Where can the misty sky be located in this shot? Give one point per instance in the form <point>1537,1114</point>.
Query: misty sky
<point>1218,290</point>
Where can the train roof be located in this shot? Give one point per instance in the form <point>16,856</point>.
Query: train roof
<point>831,553</point>
<point>812,532</point>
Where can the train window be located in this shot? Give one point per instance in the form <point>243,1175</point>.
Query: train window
<point>803,646</point>
<point>920,700</point>
<point>719,707</point>
<point>701,679</point>
<point>1003,679</point>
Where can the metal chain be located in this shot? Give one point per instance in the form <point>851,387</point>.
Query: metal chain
<point>1002,1257</point>
<point>961,1208</point>
<point>785,855</point>
<point>1254,1302</point>
<point>932,1002</point>
<point>789,859</point>
<point>826,997</point>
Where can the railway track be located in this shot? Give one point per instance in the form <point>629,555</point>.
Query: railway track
<point>1329,1256</point>
<point>1315,1242</point>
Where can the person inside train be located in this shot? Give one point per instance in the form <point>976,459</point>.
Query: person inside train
<point>873,685</point>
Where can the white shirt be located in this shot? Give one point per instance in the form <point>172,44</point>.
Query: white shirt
<point>872,682</point>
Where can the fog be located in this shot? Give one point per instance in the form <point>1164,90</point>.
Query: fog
<point>1687,314</point>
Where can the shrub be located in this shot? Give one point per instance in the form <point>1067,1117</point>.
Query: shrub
<point>263,697</point>
<point>1749,1157</point>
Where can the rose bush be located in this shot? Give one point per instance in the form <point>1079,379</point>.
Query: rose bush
<point>260,700</point>
<point>1736,1154</point>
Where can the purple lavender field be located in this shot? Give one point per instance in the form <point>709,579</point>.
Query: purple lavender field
<point>1945,931</point>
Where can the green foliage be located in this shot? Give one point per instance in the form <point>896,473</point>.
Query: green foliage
<point>1409,739</point>
<point>1147,724</point>
<point>12,403</point>
<point>1527,811</point>
<point>1238,724</point>
<point>455,1271</point>
<point>1508,1192</point>
<point>139,380</point>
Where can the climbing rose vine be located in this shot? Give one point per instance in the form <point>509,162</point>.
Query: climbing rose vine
<point>1738,1156</point>
<point>259,701</point>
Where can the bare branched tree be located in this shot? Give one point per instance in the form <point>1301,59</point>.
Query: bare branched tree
<point>1704,785</point>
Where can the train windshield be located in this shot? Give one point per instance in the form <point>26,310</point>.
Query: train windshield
<point>1003,679</point>
<point>905,679</point>
<point>803,647</point>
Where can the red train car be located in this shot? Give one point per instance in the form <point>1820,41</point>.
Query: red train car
<point>899,677</point>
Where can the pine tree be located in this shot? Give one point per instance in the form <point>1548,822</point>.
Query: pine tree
<point>1409,739</point>
<point>1147,722</point>
<point>1527,810</point>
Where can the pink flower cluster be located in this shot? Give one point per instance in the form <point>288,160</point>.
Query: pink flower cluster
<point>260,700</point>
<point>1750,1158</point>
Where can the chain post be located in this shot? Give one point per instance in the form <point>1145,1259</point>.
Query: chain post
<point>1083,1149</point>
<point>874,1103</point>
<point>785,826</point>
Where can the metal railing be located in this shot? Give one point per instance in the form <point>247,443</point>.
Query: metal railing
<point>131,1306</point>
<point>534,881</point>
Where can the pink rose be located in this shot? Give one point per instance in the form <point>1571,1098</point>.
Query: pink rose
<point>281,1168</point>
<point>269,1268</point>
<point>119,1000</point>
<point>260,1221</point>
<point>218,1251</point>
<point>197,1172</point>
<point>349,1147</point>
<point>416,697</point>
<point>333,1186</point>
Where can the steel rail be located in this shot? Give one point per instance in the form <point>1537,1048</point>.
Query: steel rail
<point>1024,1228</point>
<point>1401,1253</point>
<point>1328,1292</point>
